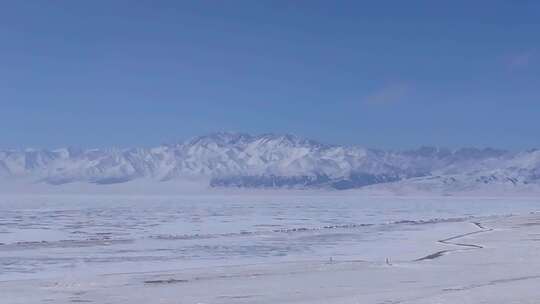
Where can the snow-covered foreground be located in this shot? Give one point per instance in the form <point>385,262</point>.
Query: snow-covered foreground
<point>268,249</point>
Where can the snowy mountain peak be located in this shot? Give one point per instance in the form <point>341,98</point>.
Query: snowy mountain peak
<point>238,139</point>
<point>273,160</point>
<point>221,138</point>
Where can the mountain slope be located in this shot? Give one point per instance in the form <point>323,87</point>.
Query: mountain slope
<point>243,160</point>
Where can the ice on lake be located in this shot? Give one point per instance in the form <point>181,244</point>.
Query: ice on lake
<point>47,236</point>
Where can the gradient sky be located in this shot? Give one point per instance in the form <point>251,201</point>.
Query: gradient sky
<point>388,74</point>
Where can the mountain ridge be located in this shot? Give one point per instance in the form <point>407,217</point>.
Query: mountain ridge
<point>228,159</point>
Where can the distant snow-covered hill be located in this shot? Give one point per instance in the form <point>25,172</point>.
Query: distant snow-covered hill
<point>242,160</point>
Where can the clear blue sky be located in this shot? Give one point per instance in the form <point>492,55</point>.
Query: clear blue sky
<point>389,74</point>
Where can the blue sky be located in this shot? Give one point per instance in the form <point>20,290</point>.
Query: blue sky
<point>388,74</point>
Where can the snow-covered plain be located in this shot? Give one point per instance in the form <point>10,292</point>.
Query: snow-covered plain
<point>258,247</point>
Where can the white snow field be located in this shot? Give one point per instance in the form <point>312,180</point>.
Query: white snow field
<point>303,247</point>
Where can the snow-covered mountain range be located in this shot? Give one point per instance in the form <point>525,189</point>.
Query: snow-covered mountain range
<point>263,161</point>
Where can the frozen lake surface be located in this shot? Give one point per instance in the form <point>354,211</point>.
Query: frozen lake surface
<point>51,236</point>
